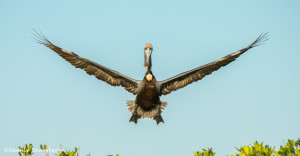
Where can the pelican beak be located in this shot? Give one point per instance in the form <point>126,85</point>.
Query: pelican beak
<point>148,51</point>
<point>147,58</point>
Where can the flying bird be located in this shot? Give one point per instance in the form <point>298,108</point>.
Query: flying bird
<point>148,91</point>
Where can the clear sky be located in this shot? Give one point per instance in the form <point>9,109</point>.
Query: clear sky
<point>45,100</point>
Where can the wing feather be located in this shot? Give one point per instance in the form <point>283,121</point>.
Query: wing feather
<point>186,78</point>
<point>103,73</point>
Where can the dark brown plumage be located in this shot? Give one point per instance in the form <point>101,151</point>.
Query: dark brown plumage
<point>147,103</point>
<point>196,74</point>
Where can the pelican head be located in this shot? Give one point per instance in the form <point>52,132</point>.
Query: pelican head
<point>148,50</point>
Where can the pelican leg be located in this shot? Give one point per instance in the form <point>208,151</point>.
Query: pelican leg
<point>158,117</point>
<point>134,118</point>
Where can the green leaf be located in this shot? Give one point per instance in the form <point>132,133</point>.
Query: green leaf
<point>246,150</point>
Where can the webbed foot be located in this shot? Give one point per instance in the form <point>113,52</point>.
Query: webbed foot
<point>134,118</point>
<point>158,119</point>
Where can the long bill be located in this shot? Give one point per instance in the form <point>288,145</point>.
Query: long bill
<point>147,62</point>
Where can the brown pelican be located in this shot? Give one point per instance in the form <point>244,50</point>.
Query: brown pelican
<point>148,91</point>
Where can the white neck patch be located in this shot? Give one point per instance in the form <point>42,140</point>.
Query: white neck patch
<point>149,77</point>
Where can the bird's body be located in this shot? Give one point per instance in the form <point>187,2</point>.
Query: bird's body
<point>147,103</point>
<point>147,99</point>
<point>148,96</point>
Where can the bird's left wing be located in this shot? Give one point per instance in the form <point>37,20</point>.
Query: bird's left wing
<point>183,79</point>
<point>103,73</point>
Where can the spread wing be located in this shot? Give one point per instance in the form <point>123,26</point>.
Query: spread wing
<point>103,73</point>
<point>196,74</point>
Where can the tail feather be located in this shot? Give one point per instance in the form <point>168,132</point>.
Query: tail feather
<point>146,113</point>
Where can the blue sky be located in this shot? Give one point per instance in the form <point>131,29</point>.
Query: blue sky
<point>45,100</point>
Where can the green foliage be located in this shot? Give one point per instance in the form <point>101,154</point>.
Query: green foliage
<point>290,148</point>
<point>26,150</point>
<point>208,152</point>
<point>44,148</point>
<point>61,152</point>
<point>257,150</point>
<point>68,153</point>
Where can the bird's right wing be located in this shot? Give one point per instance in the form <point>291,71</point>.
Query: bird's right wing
<point>103,73</point>
<point>196,74</point>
